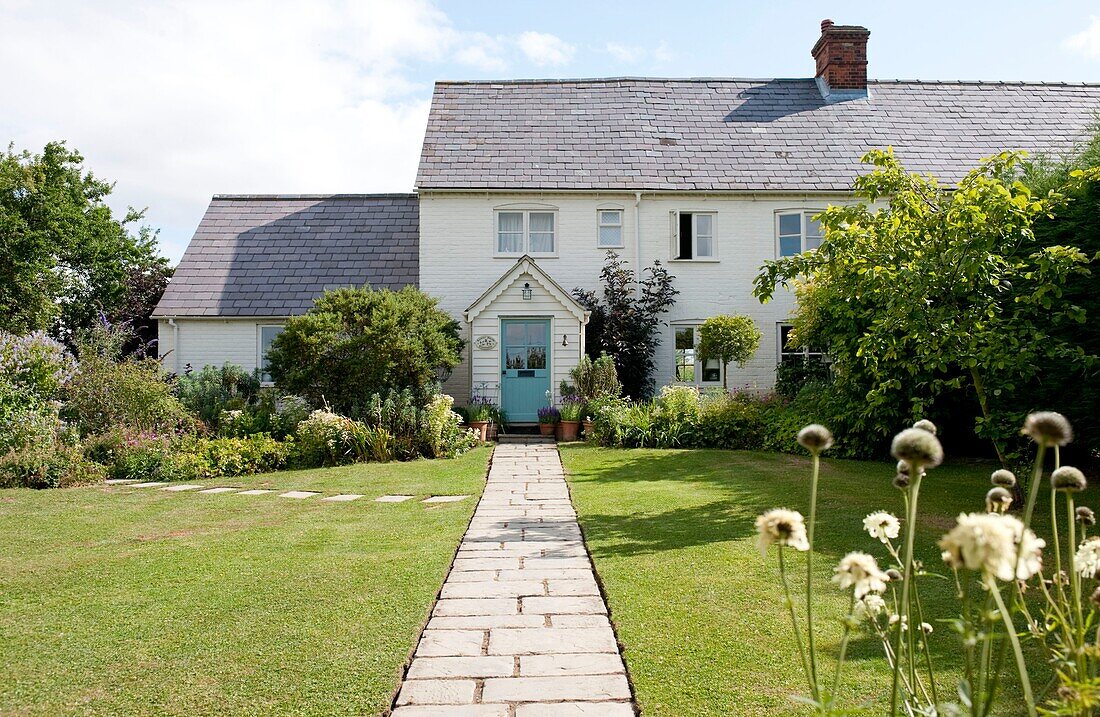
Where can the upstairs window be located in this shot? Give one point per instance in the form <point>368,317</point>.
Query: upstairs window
<point>692,236</point>
<point>797,232</point>
<point>526,233</point>
<point>610,230</point>
<point>267,336</point>
<point>689,369</point>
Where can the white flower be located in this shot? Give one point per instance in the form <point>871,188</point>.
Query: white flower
<point>986,542</point>
<point>882,525</point>
<point>859,570</point>
<point>780,526</point>
<point>868,607</point>
<point>1087,560</point>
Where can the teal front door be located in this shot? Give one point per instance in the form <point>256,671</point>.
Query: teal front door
<point>524,368</point>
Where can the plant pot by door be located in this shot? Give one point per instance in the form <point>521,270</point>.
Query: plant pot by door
<point>482,428</point>
<point>569,430</point>
<point>546,429</point>
<point>587,425</point>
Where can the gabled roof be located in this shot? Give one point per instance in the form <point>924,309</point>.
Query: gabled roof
<point>730,134</point>
<point>272,255</point>
<point>526,265</point>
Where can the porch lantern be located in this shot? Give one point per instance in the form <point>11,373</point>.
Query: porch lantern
<point>527,292</point>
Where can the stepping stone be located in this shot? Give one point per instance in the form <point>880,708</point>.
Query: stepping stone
<point>343,498</point>
<point>445,499</point>
<point>221,489</point>
<point>255,491</point>
<point>150,484</point>
<point>392,499</point>
<point>178,488</point>
<point>120,481</point>
<point>299,494</point>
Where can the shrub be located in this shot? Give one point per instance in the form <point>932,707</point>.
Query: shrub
<point>271,413</point>
<point>329,439</point>
<point>35,363</point>
<point>215,457</point>
<point>596,379</point>
<point>213,390</point>
<point>734,422</point>
<point>441,433</point>
<point>357,342</point>
<point>47,466</point>
<point>792,374</point>
<point>730,339</point>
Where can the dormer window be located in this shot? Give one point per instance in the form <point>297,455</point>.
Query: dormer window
<point>526,232</point>
<point>693,236</point>
<point>797,232</point>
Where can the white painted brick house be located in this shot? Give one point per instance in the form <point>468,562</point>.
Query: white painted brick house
<point>524,186</point>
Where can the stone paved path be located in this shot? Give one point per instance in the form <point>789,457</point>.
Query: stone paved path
<point>520,629</point>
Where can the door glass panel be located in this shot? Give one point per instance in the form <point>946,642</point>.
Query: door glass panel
<point>536,357</point>
<point>516,358</point>
<point>536,333</point>
<point>515,334</point>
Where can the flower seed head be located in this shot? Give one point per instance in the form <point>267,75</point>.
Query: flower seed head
<point>918,447</point>
<point>1085,515</point>
<point>1095,597</point>
<point>893,574</point>
<point>1048,428</point>
<point>901,481</point>
<point>925,425</point>
<point>1003,478</point>
<point>1069,479</point>
<point>997,500</point>
<point>815,438</point>
<point>903,467</point>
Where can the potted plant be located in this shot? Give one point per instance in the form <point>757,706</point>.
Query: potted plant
<point>570,413</point>
<point>548,420</point>
<point>479,414</point>
<point>586,426</point>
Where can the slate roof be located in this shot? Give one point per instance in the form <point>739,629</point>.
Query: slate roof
<point>730,134</point>
<point>272,255</point>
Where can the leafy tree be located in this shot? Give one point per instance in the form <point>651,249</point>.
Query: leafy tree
<point>943,289</point>
<point>357,342</point>
<point>626,323</point>
<point>64,257</point>
<point>730,339</point>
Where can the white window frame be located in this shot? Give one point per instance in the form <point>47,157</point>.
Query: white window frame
<point>782,351</point>
<point>525,240</point>
<point>699,365</point>
<point>674,220</point>
<point>260,359</point>
<point>601,224</point>
<point>803,237</point>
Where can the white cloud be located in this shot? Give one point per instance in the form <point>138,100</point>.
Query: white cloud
<point>1086,42</point>
<point>663,53</point>
<point>179,100</point>
<point>625,53</point>
<point>545,49</point>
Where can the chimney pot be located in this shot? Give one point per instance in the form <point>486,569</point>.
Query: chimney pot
<point>825,24</point>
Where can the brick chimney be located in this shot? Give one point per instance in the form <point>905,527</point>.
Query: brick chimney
<point>841,56</point>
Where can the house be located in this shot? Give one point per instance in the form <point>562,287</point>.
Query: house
<point>524,186</point>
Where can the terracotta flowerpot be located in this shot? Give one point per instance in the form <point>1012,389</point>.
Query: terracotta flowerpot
<point>587,425</point>
<point>546,429</point>
<point>569,430</point>
<point>492,431</point>
<point>482,428</point>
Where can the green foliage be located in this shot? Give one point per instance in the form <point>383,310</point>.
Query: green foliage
<point>329,439</point>
<point>441,434</point>
<point>625,323</point>
<point>38,465</point>
<point>357,342</point>
<point>794,373</point>
<point>571,409</point>
<point>595,379</point>
<point>270,412</point>
<point>941,291</point>
<point>65,257</point>
<point>110,390</point>
<point>212,390</point>
<point>730,339</point>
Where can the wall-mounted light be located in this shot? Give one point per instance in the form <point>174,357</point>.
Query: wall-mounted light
<point>564,340</point>
<point>527,293</point>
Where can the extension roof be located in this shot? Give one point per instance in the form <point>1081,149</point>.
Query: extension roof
<point>731,134</point>
<point>272,255</point>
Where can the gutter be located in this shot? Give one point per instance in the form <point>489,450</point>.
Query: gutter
<point>637,236</point>
<point>175,344</point>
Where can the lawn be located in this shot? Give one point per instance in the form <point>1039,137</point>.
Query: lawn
<point>698,609</point>
<point>139,601</point>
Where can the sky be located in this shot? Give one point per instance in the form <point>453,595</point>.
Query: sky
<point>177,101</point>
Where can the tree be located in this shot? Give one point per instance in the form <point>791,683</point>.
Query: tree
<point>942,290</point>
<point>626,324</point>
<point>64,257</point>
<point>357,342</point>
<point>730,339</point>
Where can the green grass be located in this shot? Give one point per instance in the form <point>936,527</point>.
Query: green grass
<point>698,609</point>
<point>137,601</point>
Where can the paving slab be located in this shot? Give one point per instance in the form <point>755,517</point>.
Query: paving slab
<point>342,498</point>
<point>299,494</point>
<point>520,628</point>
<point>392,498</point>
<point>445,499</point>
<point>255,491</point>
<point>148,484</point>
<point>120,481</point>
<point>219,489</point>
<point>179,488</point>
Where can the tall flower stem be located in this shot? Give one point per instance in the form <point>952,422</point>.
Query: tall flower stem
<point>1033,489</point>
<point>1010,629</point>
<point>810,577</point>
<point>1057,544</point>
<point>794,622</point>
<point>907,570</point>
<point>843,648</point>
<point>1075,589</point>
